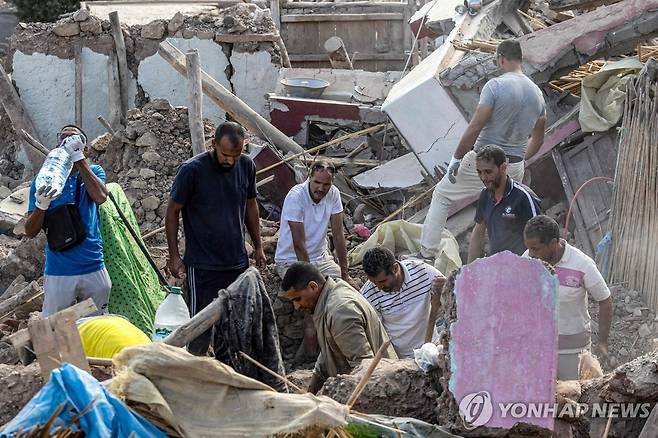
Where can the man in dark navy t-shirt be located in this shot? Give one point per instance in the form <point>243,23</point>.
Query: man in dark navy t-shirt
<point>216,192</point>
<point>503,209</point>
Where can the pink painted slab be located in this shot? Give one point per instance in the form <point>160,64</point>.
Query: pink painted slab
<point>505,338</point>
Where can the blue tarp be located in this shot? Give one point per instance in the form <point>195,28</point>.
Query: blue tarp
<point>106,417</point>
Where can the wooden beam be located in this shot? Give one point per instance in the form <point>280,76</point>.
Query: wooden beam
<point>361,57</point>
<point>340,161</point>
<point>198,324</point>
<point>233,105</point>
<point>18,117</point>
<point>343,5</point>
<point>36,144</point>
<point>77,49</point>
<point>246,37</point>
<point>21,338</point>
<point>113,92</point>
<point>195,101</point>
<point>376,16</point>
<point>44,346</point>
<point>120,50</point>
<point>8,306</point>
<point>275,11</point>
<point>285,58</point>
<point>68,339</point>
<point>338,56</point>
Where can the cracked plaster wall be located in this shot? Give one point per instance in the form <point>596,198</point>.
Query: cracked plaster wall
<point>46,84</point>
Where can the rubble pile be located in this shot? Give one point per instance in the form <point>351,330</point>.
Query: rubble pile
<point>18,384</point>
<point>144,157</point>
<point>388,390</point>
<point>11,171</point>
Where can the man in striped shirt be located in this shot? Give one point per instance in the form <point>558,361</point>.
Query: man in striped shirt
<point>503,209</point>
<point>405,294</point>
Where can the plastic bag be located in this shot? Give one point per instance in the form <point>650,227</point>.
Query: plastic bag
<point>105,415</point>
<point>427,356</point>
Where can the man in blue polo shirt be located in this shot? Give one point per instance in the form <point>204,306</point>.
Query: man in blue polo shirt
<point>503,209</point>
<point>216,193</point>
<point>79,272</point>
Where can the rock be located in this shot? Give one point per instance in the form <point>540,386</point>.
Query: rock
<point>633,294</point>
<point>188,34</point>
<point>66,29</point>
<point>160,105</point>
<point>155,30</point>
<point>644,330</point>
<point>147,140</point>
<point>388,390</point>
<point>151,203</point>
<point>147,173</point>
<point>138,184</point>
<point>92,25</point>
<point>151,157</point>
<point>205,35</point>
<point>627,300</point>
<point>4,192</point>
<point>81,15</point>
<point>300,378</point>
<point>623,351</point>
<point>175,23</point>
<point>637,312</point>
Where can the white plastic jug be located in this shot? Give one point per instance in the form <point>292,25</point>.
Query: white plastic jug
<point>171,314</point>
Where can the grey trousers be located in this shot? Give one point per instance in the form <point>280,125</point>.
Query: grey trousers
<point>62,291</point>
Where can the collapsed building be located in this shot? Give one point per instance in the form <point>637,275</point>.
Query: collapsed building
<point>391,132</point>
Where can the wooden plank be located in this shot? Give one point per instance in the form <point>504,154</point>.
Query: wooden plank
<point>120,50</point>
<point>22,337</point>
<point>18,117</point>
<point>339,161</point>
<point>275,11</point>
<point>384,16</point>
<point>345,5</point>
<point>226,100</point>
<point>69,344</point>
<point>11,304</point>
<point>44,346</point>
<point>569,191</point>
<point>246,38</point>
<point>358,58</point>
<point>113,92</point>
<point>195,100</point>
<point>77,50</point>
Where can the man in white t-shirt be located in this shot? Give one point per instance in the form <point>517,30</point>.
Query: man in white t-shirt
<point>578,277</point>
<point>405,294</point>
<point>308,210</point>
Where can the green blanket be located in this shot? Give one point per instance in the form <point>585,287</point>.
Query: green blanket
<point>136,293</point>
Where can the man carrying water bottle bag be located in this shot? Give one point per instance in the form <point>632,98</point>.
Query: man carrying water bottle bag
<point>69,214</point>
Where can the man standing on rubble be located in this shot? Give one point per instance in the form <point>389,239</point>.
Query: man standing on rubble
<point>405,295</point>
<point>348,328</point>
<point>503,209</point>
<point>76,273</point>
<point>578,277</point>
<point>511,114</point>
<point>216,191</point>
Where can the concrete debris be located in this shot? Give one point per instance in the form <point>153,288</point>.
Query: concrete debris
<point>389,390</point>
<point>18,384</point>
<point>66,29</point>
<point>155,30</point>
<point>152,146</point>
<point>81,15</point>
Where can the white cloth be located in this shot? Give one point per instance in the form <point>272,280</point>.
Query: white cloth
<point>578,276</point>
<point>299,207</point>
<point>467,184</point>
<point>405,313</point>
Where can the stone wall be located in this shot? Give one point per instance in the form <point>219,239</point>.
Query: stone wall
<point>43,64</point>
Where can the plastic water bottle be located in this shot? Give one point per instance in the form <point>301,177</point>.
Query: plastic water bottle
<point>54,171</point>
<point>171,314</point>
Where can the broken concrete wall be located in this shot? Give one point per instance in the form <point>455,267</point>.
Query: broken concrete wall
<point>420,96</point>
<point>43,64</point>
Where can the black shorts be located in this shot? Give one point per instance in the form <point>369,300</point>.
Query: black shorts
<point>204,286</point>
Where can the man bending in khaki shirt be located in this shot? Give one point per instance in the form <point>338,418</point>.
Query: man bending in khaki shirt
<point>347,326</point>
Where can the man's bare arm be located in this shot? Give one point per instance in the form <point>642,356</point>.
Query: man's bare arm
<point>94,186</point>
<point>175,262</point>
<point>299,240</point>
<point>476,243</point>
<point>536,138</point>
<point>34,222</point>
<point>340,244</point>
<point>480,119</point>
